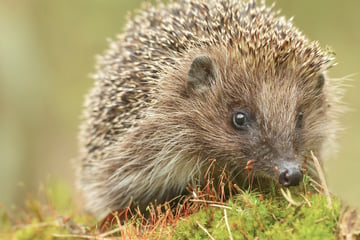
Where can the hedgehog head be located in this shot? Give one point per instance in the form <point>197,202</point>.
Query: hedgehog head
<point>259,99</point>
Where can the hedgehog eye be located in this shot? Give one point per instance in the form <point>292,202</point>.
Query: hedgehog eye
<point>299,119</point>
<point>240,120</point>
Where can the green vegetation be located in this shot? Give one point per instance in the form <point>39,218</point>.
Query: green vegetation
<point>249,217</point>
<point>302,213</point>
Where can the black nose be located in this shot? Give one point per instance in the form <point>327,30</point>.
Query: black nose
<point>290,176</point>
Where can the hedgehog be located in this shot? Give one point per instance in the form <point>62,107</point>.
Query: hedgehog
<point>194,80</point>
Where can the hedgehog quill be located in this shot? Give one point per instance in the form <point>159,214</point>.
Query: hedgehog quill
<point>194,80</point>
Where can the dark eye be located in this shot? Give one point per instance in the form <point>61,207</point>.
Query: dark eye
<point>240,119</point>
<point>299,120</point>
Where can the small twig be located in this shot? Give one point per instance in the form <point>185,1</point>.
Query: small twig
<point>316,188</point>
<point>116,230</point>
<point>306,200</point>
<point>289,198</point>
<point>322,219</point>
<point>220,206</point>
<point>103,236</point>
<point>238,189</point>
<point>227,225</point>
<point>315,183</point>
<point>290,230</point>
<point>322,179</point>
<point>206,201</point>
<point>206,231</point>
<point>78,236</point>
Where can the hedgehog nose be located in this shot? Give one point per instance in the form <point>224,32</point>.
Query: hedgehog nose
<point>290,176</point>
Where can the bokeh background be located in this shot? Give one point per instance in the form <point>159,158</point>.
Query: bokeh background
<point>48,49</point>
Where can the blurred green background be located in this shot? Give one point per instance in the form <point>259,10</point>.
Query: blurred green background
<point>47,51</point>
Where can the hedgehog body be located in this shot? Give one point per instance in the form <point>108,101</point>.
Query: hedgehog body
<point>194,80</point>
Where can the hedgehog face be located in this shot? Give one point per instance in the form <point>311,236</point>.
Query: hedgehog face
<point>273,118</point>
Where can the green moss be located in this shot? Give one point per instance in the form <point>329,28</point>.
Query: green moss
<point>250,217</point>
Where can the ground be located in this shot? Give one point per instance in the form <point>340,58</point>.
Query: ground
<point>305,212</point>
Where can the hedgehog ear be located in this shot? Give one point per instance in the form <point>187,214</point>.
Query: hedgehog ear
<point>320,84</point>
<point>201,74</point>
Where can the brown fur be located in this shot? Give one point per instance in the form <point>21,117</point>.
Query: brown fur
<point>148,132</point>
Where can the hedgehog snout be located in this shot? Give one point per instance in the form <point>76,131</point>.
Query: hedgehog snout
<point>290,174</point>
